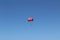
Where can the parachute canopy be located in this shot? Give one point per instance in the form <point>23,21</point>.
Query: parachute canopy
<point>30,19</point>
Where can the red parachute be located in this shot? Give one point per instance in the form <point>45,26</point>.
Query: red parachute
<point>30,19</point>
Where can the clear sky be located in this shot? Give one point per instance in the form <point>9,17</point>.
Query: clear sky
<point>14,25</point>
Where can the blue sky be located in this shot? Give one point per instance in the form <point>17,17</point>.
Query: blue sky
<point>14,25</point>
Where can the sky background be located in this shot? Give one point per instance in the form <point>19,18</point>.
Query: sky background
<point>14,24</point>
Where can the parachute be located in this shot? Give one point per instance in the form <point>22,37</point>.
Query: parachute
<point>30,19</point>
